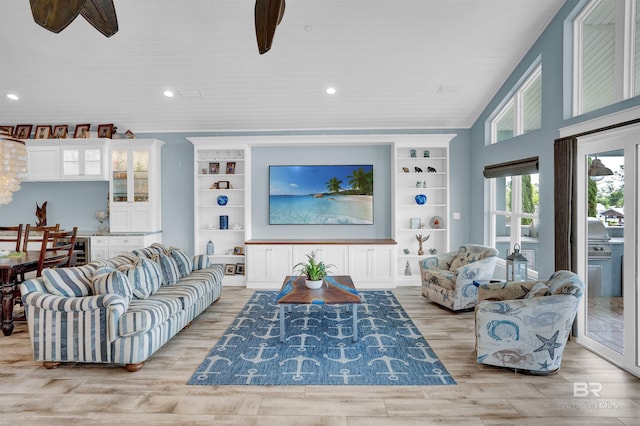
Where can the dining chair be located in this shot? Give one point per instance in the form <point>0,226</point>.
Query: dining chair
<point>7,235</point>
<point>61,253</point>
<point>34,234</point>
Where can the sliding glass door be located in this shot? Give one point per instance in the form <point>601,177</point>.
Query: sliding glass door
<point>607,244</point>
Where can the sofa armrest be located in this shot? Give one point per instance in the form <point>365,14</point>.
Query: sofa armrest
<point>504,290</point>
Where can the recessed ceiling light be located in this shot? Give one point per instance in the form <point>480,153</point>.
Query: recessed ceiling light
<point>13,96</point>
<point>168,93</point>
<point>331,91</point>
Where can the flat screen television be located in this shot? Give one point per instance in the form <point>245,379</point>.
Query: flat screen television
<point>321,195</point>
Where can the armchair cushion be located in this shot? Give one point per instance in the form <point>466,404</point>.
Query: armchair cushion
<point>539,289</point>
<point>69,282</point>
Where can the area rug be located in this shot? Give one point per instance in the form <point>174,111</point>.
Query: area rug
<point>319,347</point>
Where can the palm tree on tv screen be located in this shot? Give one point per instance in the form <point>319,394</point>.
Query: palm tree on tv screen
<point>334,184</point>
<point>361,181</point>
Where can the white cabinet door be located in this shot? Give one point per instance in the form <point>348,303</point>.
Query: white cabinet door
<point>336,255</point>
<point>371,263</point>
<point>269,263</point>
<point>83,163</point>
<point>44,163</point>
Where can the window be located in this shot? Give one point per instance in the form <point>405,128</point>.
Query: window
<point>514,207</point>
<point>522,111</point>
<point>606,54</point>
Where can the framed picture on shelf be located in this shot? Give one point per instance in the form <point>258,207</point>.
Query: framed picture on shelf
<point>231,167</point>
<point>214,168</point>
<point>238,251</point>
<point>416,223</point>
<point>82,131</point>
<point>7,129</point>
<point>230,269</point>
<point>239,268</point>
<point>223,184</point>
<point>23,131</point>
<point>43,132</point>
<point>105,130</point>
<point>60,132</point>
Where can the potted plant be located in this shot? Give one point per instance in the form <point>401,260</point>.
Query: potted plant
<point>313,270</point>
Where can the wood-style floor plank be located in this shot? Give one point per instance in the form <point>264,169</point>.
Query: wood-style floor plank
<point>159,395</point>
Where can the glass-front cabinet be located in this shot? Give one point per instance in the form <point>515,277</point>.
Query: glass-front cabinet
<point>83,162</point>
<point>135,186</point>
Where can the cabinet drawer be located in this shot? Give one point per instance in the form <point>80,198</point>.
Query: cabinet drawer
<point>133,241</point>
<point>100,241</point>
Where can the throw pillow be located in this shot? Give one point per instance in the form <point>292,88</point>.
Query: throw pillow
<point>540,289</point>
<point>152,274</point>
<point>69,282</point>
<point>200,261</point>
<point>112,282</point>
<point>160,248</point>
<point>169,267</point>
<point>184,261</point>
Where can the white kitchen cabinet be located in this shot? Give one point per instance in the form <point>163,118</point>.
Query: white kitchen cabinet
<point>134,185</point>
<point>106,246</point>
<point>43,163</point>
<point>83,163</point>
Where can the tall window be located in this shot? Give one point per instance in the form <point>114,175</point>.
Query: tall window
<point>606,54</point>
<point>514,207</point>
<point>522,111</point>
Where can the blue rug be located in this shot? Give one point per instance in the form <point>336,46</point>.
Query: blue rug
<point>319,348</point>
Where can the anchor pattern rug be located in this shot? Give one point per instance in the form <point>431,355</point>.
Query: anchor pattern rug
<point>318,347</point>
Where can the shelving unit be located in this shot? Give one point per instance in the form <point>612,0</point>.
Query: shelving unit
<point>417,174</point>
<point>221,171</point>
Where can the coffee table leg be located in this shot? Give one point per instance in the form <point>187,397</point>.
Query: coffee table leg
<point>281,323</point>
<point>355,322</point>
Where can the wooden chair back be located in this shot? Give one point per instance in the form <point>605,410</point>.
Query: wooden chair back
<point>60,254</point>
<point>7,235</point>
<point>35,234</point>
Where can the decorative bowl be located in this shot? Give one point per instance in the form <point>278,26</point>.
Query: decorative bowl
<point>222,200</point>
<point>421,199</point>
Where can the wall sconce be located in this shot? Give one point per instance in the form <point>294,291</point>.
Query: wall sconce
<point>517,268</point>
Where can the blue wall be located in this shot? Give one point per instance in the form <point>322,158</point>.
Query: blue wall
<point>537,143</point>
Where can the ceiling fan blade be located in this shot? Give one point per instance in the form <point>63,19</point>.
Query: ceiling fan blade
<point>268,14</point>
<point>55,15</point>
<point>102,15</point>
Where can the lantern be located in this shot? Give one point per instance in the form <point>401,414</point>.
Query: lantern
<point>517,265</point>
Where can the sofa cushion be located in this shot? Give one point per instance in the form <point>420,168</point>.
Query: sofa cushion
<point>183,260</point>
<point>112,282</point>
<point>146,314</point>
<point>69,282</point>
<point>200,261</point>
<point>121,260</point>
<point>145,252</point>
<point>539,289</point>
<point>187,293</point>
<point>169,267</point>
<point>160,248</point>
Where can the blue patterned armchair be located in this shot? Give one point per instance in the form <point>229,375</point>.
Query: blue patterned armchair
<point>447,279</point>
<point>525,325</point>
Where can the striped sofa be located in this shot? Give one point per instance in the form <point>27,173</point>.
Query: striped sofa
<point>120,310</point>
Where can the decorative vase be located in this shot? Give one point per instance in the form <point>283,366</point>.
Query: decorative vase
<point>421,199</point>
<point>210,248</point>
<point>222,200</point>
<point>313,284</point>
<point>224,222</point>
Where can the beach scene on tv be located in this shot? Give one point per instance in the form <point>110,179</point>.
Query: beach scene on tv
<point>321,195</point>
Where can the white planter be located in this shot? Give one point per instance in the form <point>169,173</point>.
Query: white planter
<point>313,284</point>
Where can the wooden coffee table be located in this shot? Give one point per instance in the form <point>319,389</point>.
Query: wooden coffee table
<point>336,290</point>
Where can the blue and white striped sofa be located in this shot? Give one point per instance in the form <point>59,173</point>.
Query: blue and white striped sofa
<point>120,310</point>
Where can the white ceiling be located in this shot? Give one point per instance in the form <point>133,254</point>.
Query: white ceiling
<point>397,64</point>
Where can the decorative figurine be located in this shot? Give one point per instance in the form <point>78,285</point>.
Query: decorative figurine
<point>424,183</point>
<point>405,169</point>
<point>431,169</point>
<point>418,169</point>
<point>421,240</point>
<point>41,214</point>
<point>412,153</point>
<point>433,251</point>
<point>407,269</point>
<point>129,134</point>
<point>425,154</point>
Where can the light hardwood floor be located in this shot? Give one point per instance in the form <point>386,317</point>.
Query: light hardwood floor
<point>158,394</point>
